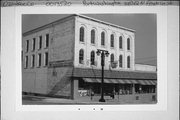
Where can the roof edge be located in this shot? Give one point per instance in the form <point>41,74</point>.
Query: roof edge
<point>82,16</point>
<point>106,23</point>
<point>46,26</point>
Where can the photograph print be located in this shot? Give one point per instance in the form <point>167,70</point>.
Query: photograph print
<point>89,59</point>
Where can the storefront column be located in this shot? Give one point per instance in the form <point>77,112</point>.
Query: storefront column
<point>74,89</point>
<point>133,88</point>
<point>155,89</point>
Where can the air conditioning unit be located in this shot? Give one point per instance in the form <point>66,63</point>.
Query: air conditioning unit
<point>114,64</point>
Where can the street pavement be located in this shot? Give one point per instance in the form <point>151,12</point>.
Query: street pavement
<point>39,100</point>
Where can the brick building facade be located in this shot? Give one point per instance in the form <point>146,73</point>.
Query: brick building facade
<point>59,59</point>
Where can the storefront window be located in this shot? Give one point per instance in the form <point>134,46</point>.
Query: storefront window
<point>113,89</point>
<point>125,89</point>
<point>143,89</point>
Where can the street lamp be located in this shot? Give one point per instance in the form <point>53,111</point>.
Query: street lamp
<point>103,53</point>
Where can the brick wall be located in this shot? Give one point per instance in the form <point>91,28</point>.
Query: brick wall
<point>88,47</point>
<point>38,79</point>
<point>61,50</point>
<point>34,79</point>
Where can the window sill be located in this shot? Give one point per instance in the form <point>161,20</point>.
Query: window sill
<point>81,42</point>
<point>45,66</point>
<point>93,44</point>
<point>112,47</point>
<point>103,46</point>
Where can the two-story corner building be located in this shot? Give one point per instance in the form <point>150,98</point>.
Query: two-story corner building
<point>59,59</point>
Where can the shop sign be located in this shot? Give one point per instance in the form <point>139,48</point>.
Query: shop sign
<point>62,63</point>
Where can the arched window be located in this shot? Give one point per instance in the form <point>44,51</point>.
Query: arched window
<point>81,34</point>
<point>121,61</point>
<point>128,62</point>
<point>112,58</point>
<point>92,58</point>
<point>120,42</point>
<point>102,38</point>
<point>112,40</point>
<point>93,36</point>
<point>128,44</point>
<point>81,56</point>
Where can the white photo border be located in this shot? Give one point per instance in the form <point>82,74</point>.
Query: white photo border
<point>15,87</point>
<point>162,62</point>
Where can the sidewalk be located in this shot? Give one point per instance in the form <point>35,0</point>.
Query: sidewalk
<point>39,100</point>
<point>29,99</point>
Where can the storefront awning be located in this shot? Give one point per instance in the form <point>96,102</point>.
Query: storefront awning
<point>113,74</point>
<point>121,81</point>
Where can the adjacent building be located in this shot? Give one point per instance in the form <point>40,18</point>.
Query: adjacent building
<point>59,59</point>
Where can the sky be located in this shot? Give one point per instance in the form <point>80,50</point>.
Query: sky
<point>144,25</point>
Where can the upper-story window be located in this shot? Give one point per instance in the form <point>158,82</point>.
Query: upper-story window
<point>120,42</point>
<point>47,41</point>
<point>46,59</point>
<point>40,42</point>
<point>32,61</point>
<point>27,45</point>
<point>26,62</point>
<point>128,62</point>
<point>120,61</point>
<point>128,44</point>
<point>81,56</point>
<point>112,58</point>
<point>92,58</point>
<point>93,36</point>
<point>103,38</point>
<point>81,34</point>
<point>33,44</point>
<point>39,60</point>
<point>112,40</point>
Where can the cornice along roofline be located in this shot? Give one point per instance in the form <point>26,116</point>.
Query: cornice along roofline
<point>62,19</point>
